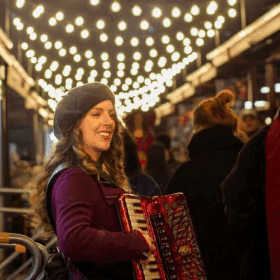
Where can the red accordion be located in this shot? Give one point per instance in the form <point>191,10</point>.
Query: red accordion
<point>167,220</point>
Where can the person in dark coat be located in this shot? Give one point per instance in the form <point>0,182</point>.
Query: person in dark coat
<point>142,184</point>
<point>251,197</point>
<point>157,166</point>
<point>213,150</point>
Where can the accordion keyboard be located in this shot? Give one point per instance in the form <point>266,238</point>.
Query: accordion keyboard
<point>166,219</point>
<point>138,221</point>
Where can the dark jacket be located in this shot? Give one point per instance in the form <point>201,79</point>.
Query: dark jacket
<point>212,154</point>
<point>89,230</point>
<point>244,197</point>
<point>144,185</point>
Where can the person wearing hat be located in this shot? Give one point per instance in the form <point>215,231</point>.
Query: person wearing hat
<point>83,204</point>
<point>249,122</point>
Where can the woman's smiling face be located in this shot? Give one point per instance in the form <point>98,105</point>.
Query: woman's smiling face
<point>98,128</point>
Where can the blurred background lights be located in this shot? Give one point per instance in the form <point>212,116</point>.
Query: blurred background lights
<point>166,22</point>
<point>153,53</point>
<point>58,45</point>
<point>211,33</point>
<point>188,17</point>
<point>137,56</point>
<point>207,24</point>
<point>232,2</point>
<point>144,25</point>
<point>156,12</point>
<point>69,28</point>
<point>115,7</point>
<point>104,56</point>
<point>165,39</point>
<point>232,13</point>
<point>134,41</point>
<point>195,10</point>
<point>44,38</point>
<point>59,16</point>
<point>136,10</point>
<point>176,12</point>
<point>180,36</point>
<point>119,41</point>
<point>122,25</point>
<point>85,33</point>
<point>88,54</point>
<point>48,45</point>
<point>150,41</point>
<point>103,37</point>
<point>52,21</point>
<point>94,2</point>
<point>212,7</point>
<point>20,3</point>
<point>100,24</point>
<point>73,50</point>
<point>79,21</point>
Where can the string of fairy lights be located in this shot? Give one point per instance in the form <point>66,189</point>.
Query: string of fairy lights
<point>149,73</point>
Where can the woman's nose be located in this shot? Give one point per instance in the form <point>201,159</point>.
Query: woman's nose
<point>108,119</point>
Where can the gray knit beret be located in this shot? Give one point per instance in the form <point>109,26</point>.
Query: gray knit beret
<point>76,103</point>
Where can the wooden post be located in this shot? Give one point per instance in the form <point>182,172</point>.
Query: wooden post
<point>252,85</point>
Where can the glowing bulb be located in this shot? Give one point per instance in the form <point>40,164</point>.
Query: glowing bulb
<point>165,39</point>
<point>79,21</point>
<point>29,30</point>
<point>73,50</point>
<point>38,67</point>
<point>59,16</point>
<point>186,41</point>
<point>62,52</point>
<point>199,42</point>
<point>107,74</point>
<point>201,33</point>
<point>210,33</point>
<point>33,60</point>
<point>232,13</point>
<point>120,73</point>
<point>212,7</point>
<point>170,48</point>
<point>117,82</point>
<point>180,36</point>
<point>85,33</point>
<point>137,56</point>
<point>106,65</point>
<point>188,49</point>
<point>58,45</point>
<point>150,41</point>
<point>144,25</point>
<point>176,12</point>
<point>77,58</point>
<point>122,25</point>
<point>136,10</point>
<point>119,40</point>
<point>33,36</point>
<point>135,65</point>
<point>153,53</point>
<point>218,24</point>
<point>24,46</point>
<point>115,7</point>
<point>69,28</point>
<point>91,62</point>
<point>44,38</point>
<point>16,21</point>
<point>195,10</point>
<point>166,22</point>
<point>232,2</point>
<point>208,25</point>
<point>20,3</point>
<point>104,56</point>
<point>100,24</point>
<point>88,54</point>
<point>188,17</point>
<point>94,2</point>
<point>121,66</point>
<point>134,41</point>
<point>156,12</point>
<point>120,57</point>
<point>103,37</point>
<point>52,21</point>
<point>194,31</point>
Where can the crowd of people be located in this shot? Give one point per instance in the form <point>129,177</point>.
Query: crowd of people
<point>224,181</point>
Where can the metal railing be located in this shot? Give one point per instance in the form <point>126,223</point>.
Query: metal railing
<point>28,243</point>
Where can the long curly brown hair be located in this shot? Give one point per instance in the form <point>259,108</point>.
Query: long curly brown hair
<point>69,148</point>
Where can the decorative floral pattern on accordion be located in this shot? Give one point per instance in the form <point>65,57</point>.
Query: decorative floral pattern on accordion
<point>178,218</point>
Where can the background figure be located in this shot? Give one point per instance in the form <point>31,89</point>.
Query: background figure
<point>157,165</point>
<point>250,123</point>
<point>171,161</point>
<point>142,184</point>
<point>251,195</point>
<point>213,150</point>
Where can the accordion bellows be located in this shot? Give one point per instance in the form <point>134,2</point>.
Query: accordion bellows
<point>167,220</point>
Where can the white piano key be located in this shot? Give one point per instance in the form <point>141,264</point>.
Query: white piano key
<point>149,273</point>
<point>135,219</point>
<point>131,207</point>
<point>152,258</point>
<point>152,277</point>
<point>132,200</point>
<point>132,213</point>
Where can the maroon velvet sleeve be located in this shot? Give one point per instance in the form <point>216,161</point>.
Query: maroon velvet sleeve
<point>76,201</point>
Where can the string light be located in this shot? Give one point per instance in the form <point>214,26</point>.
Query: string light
<point>135,92</point>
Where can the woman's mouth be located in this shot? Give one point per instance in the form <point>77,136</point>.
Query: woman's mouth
<point>105,135</point>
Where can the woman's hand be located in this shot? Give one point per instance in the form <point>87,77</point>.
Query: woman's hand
<point>152,247</point>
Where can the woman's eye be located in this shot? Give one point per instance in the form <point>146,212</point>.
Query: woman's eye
<point>95,115</point>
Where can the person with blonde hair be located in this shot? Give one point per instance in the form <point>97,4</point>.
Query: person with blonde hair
<point>213,150</point>
<point>83,197</point>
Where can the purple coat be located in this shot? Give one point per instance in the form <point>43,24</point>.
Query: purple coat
<point>88,227</point>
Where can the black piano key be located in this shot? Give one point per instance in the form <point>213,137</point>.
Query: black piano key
<point>136,204</point>
<point>141,221</point>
